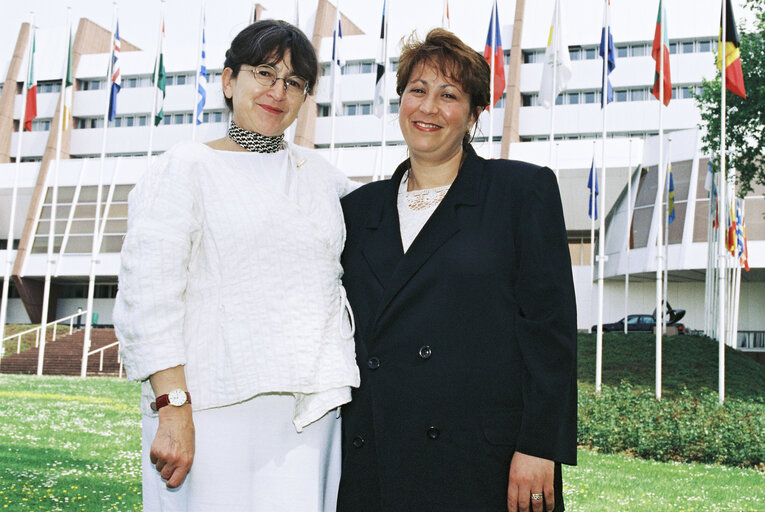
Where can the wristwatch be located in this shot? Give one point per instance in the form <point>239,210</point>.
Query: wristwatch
<point>176,398</point>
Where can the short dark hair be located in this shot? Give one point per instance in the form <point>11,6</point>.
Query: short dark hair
<point>453,59</point>
<point>266,42</point>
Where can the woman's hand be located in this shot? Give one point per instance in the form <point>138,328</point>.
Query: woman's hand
<point>172,451</point>
<point>530,476</point>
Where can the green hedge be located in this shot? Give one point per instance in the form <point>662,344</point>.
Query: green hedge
<point>686,427</point>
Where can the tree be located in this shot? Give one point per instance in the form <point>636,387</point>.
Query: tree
<point>745,118</point>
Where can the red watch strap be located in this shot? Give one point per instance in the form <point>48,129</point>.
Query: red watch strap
<point>163,400</point>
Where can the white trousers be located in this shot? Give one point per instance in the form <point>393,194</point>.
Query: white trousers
<point>249,458</point>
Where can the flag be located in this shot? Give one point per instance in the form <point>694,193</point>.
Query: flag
<point>593,202</point>
<point>31,108</point>
<point>743,253</point>
<point>556,54</point>
<point>660,51</point>
<point>337,66</point>
<point>494,39</point>
<point>379,85</point>
<point>734,75</point>
<point>202,79</point>
<point>68,87</point>
<point>671,198</point>
<point>445,21</point>
<point>159,93</point>
<point>609,93</point>
<point>731,233</point>
<point>116,77</point>
<point>713,200</point>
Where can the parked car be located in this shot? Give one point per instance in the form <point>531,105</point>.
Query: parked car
<point>639,323</point>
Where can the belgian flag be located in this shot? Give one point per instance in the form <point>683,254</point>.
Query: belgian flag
<point>734,75</point>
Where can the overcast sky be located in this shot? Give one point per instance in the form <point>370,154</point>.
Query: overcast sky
<point>139,19</point>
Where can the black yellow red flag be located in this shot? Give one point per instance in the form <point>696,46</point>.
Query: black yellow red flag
<point>734,75</point>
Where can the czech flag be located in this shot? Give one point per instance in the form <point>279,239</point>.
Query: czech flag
<point>494,41</point>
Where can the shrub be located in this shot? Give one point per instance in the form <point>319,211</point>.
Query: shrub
<point>684,427</point>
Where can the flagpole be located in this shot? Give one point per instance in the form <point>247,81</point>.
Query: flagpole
<point>592,216</point>
<point>54,198</point>
<point>660,176</point>
<point>9,257</point>
<point>491,92</point>
<point>152,124</point>
<point>555,42</point>
<point>629,233</point>
<point>722,193</point>
<point>336,73</point>
<point>196,81</point>
<point>95,246</point>
<point>386,15</point>
<point>602,232</point>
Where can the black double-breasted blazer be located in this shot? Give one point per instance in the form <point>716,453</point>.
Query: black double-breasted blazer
<point>466,342</point>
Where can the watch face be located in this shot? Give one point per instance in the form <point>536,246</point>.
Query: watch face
<point>177,397</point>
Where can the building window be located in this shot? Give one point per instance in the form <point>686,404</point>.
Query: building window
<point>620,95</point>
<point>638,95</point>
<point>573,98</point>
<point>46,86</point>
<point>590,96</point>
<point>394,64</point>
<point>591,53</point>
<point>638,50</point>
<point>575,52</point>
<point>688,47</point>
<point>705,46</point>
<point>358,67</point>
<point>393,107</point>
<point>322,110</point>
<point>622,51</point>
<point>672,48</point>
<point>357,109</point>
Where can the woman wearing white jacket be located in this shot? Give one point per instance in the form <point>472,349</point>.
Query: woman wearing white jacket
<point>230,307</point>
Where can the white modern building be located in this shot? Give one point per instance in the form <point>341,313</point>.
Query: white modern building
<point>631,151</point>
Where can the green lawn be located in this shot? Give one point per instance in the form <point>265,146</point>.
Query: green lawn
<point>73,445</point>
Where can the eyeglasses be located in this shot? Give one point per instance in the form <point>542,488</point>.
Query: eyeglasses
<point>266,76</point>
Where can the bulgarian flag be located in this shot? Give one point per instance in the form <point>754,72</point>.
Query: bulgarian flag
<point>68,83</point>
<point>31,108</point>
<point>734,75</point>
<point>659,52</point>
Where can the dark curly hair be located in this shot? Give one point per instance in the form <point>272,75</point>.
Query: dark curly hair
<point>266,42</point>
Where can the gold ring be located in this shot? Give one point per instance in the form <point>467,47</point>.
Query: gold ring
<point>536,496</point>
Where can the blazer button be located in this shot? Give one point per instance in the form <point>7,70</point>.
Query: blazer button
<point>358,441</point>
<point>425,352</point>
<point>433,433</point>
<point>373,363</point>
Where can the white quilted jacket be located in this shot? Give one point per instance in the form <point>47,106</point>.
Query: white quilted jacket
<point>237,282</point>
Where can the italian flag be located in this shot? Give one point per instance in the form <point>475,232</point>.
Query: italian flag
<point>659,52</point>
<point>31,107</point>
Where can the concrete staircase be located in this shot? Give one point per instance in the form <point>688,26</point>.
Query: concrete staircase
<point>64,356</point>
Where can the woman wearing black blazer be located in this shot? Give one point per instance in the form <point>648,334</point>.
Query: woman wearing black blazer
<point>458,272</point>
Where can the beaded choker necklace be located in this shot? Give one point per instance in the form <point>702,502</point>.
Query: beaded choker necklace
<point>255,142</point>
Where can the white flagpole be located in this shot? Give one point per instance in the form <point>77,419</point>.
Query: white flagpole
<point>156,88</point>
<point>722,225</point>
<point>553,96</point>
<point>629,233</point>
<point>602,232</point>
<point>384,119</point>
<point>336,74</point>
<point>95,246</point>
<point>54,198</point>
<point>660,176</point>
<point>9,257</point>
<point>491,62</point>
<point>592,216</point>
<point>196,80</point>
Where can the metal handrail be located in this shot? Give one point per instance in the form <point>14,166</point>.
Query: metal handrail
<point>101,360</point>
<point>42,328</point>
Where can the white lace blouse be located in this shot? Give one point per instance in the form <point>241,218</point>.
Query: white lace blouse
<point>415,208</point>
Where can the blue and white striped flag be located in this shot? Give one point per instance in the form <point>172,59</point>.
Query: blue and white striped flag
<point>202,85</point>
